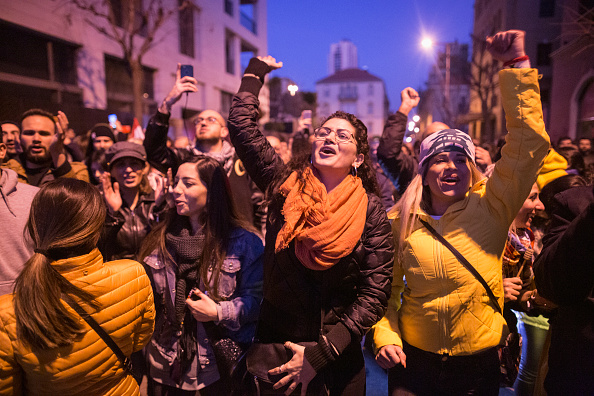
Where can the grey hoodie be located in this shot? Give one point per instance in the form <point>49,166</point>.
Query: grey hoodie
<point>15,204</point>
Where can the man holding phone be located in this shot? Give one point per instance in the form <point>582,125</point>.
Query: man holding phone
<point>210,130</point>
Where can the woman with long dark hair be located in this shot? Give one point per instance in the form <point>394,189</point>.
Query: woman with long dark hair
<point>47,348</point>
<point>442,338</point>
<point>329,248</point>
<point>206,269</point>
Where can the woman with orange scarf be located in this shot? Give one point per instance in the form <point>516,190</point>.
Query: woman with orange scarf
<point>329,249</point>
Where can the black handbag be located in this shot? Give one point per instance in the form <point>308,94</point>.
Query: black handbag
<point>262,357</point>
<point>228,352</point>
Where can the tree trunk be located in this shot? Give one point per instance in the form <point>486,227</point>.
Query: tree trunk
<point>137,89</point>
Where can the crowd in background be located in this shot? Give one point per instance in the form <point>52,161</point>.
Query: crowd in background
<point>205,260</point>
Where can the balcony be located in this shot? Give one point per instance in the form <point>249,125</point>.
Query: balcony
<point>348,94</point>
<point>248,22</point>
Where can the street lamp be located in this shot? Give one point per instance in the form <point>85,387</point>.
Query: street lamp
<point>292,89</point>
<point>427,43</point>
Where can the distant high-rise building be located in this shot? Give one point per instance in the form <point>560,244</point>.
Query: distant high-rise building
<point>343,55</point>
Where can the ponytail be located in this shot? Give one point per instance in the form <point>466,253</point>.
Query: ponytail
<point>65,221</point>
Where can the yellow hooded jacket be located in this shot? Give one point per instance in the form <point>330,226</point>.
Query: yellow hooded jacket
<point>88,366</point>
<point>444,308</point>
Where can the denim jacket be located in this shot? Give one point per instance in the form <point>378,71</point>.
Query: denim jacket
<point>240,285</point>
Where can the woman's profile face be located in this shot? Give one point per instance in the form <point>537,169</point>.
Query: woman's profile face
<point>528,210</point>
<point>189,192</point>
<point>332,154</point>
<point>448,178</point>
<point>128,172</point>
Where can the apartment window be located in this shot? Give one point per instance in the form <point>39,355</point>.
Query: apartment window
<point>30,54</point>
<point>229,7</point>
<point>370,108</point>
<point>546,9</point>
<point>327,93</point>
<point>121,10</point>
<point>247,53</point>
<point>543,52</point>
<point>349,107</point>
<point>247,15</point>
<point>229,53</point>
<point>119,81</point>
<point>186,29</point>
<point>370,90</point>
<point>337,61</point>
<point>226,99</point>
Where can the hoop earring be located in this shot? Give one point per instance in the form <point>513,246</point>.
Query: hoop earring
<point>354,171</point>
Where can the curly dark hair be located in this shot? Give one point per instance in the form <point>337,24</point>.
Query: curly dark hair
<point>366,171</point>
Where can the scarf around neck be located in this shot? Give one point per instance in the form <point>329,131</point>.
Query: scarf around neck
<point>225,156</point>
<point>325,226</point>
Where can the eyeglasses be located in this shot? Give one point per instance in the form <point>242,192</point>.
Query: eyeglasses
<point>342,135</point>
<point>208,120</point>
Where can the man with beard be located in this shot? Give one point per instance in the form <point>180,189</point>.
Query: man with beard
<point>211,132</point>
<point>43,156</point>
<point>11,138</point>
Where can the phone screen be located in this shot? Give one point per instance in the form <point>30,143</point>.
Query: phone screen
<point>187,70</point>
<point>112,120</point>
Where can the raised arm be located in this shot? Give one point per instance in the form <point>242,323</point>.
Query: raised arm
<point>155,141</point>
<point>527,142</point>
<point>398,166</point>
<point>258,156</point>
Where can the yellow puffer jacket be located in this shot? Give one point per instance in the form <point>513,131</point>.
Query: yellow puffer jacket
<point>87,367</point>
<point>444,308</point>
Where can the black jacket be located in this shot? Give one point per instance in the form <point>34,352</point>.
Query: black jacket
<point>397,165</point>
<point>248,199</point>
<point>125,230</point>
<point>353,294</point>
<point>564,274</point>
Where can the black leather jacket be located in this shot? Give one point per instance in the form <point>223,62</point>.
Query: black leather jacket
<point>248,199</point>
<point>125,230</point>
<point>353,294</point>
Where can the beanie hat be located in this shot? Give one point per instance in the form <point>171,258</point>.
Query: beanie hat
<point>445,141</point>
<point>102,130</point>
<point>124,150</point>
<point>553,167</point>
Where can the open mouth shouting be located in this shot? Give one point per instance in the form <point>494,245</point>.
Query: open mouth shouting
<point>328,150</point>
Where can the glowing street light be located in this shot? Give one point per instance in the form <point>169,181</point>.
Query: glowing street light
<point>416,118</point>
<point>293,88</point>
<point>427,44</point>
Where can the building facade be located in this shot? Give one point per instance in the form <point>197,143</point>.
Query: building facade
<point>357,92</point>
<point>53,57</point>
<point>541,20</point>
<point>572,94</point>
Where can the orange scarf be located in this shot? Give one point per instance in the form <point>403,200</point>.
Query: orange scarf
<point>326,227</point>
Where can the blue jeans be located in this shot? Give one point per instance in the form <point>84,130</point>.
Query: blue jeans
<point>533,339</point>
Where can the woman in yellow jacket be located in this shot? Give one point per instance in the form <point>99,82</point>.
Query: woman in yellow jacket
<point>45,347</point>
<point>442,339</point>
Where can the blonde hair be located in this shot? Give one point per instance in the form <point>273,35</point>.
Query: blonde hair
<point>417,196</point>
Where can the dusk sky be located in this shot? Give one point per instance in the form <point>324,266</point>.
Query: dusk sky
<point>387,34</point>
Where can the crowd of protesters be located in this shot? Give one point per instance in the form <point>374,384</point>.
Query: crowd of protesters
<point>246,263</point>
